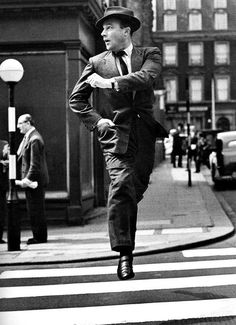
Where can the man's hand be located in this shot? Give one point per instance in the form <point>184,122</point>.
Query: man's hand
<point>5,163</point>
<point>97,81</point>
<point>25,182</point>
<point>105,121</point>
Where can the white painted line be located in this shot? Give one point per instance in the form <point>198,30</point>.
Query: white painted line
<point>101,270</point>
<point>117,286</point>
<point>78,236</point>
<point>147,232</point>
<point>156,222</point>
<point>131,313</point>
<point>182,230</point>
<point>209,252</point>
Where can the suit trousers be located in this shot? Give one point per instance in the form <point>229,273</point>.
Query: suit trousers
<point>35,203</point>
<point>129,174</point>
<point>3,211</point>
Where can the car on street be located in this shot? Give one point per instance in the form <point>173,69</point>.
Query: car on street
<point>223,157</point>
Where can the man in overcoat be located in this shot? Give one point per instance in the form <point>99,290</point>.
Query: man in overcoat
<point>3,185</point>
<point>31,155</point>
<point>127,131</point>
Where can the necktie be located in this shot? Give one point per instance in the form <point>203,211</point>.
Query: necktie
<point>123,65</point>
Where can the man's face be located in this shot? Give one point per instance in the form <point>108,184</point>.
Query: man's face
<point>23,125</point>
<point>113,35</point>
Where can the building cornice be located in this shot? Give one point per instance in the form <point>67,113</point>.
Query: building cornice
<point>91,8</point>
<point>160,36</point>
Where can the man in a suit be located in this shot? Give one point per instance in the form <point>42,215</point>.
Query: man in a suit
<point>126,129</point>
<point>3,185</point>
<point>31,154</point>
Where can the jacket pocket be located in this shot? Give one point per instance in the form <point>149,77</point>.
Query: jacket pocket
<point>108,137</point>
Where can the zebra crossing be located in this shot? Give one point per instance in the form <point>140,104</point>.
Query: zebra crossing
<point>201,288</point>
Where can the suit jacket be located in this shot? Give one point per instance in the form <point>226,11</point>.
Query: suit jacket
<point>117,106</point>
<point>3,171</point>
<point>33,160</point>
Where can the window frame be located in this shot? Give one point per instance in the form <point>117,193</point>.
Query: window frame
<point>217,77</point>
<point>165,45</point>
<point>227,61</point>
<point>216,6</point>
<point>173,15</point>
<point>218,21</point>
<point>194,7</point>
<point>201,63</point>
<point>166,79</point>
<point>191,97</point>
<point>167,7</point>
<point>190,22</point>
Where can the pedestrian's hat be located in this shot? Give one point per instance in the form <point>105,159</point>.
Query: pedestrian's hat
<point>122,13</point>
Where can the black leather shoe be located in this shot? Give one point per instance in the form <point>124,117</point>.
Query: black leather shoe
<point>32,241</point>
<point>125,268</point>
<point>2,241</point>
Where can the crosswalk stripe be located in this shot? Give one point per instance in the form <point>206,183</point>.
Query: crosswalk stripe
<point>209,252</point>
<point>176,266</point>
<point>117,314</point>
<point>181,230</point>
<point>117,286</point>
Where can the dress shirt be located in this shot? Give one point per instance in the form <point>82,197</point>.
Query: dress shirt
<point>126,58</point>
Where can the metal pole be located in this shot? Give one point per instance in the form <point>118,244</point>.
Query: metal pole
<point>213,108</point>
<point>188,133</point>
<point>13,223</point>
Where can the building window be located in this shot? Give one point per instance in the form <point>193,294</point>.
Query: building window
<point>169,4</point>
<point>223,124</point>
<point>170,54</point>
<point>171,89</point>
<point>195,51</point>
<point>195,21</point>
<point>194,4</point>
<point>170,22</point>
<point>218,4</point>
<point>221,53</point>
<point>221,20</point>
<point>222,88</point>
<point>196,89</point>
<point>154,10</point>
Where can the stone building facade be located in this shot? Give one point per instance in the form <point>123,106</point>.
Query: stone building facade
<point>53,40</point>
<point>198,42</point>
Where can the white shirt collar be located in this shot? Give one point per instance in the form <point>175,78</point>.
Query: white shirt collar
<point>129,49</point>
<point>29,131</point>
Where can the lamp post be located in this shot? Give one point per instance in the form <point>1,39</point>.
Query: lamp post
<point>11,72</point>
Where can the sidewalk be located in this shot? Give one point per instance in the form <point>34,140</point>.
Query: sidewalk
<point>171,215</point>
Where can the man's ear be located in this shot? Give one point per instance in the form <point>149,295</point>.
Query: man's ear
<point>127,31</point>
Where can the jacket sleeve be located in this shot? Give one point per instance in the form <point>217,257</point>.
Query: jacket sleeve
<point>79,99</point>
<point>35,160</point>
<point>146,76</point>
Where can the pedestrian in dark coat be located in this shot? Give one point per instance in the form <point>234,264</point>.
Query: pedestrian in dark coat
<point>34,177</point>
<point>127,131</point>
<point>177,149</point>
<point>3,185</point>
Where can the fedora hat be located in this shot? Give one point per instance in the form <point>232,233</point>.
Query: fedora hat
<point>122,13</point>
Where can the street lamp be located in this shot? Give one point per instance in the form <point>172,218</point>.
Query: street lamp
<point>11,72</point>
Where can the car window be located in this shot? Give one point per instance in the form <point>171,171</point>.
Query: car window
<point>232,144</point>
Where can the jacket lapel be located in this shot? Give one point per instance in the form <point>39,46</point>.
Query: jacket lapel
<point>22,147</point>
<point>24,144</point>
<point>109,67</point>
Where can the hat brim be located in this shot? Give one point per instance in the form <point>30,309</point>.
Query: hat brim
<point>133,21</point>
